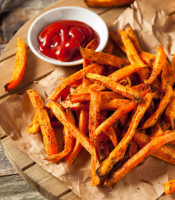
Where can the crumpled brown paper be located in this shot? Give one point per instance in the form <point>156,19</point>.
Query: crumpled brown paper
<point>145,181</point>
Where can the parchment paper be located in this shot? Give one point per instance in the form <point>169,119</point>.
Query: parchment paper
<point>145,181</point>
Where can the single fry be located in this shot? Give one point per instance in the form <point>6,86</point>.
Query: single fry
<point>103,58</point>
<point>83,127</point>
<point>117,40</point>
<point>128,29</point>
<point>116,87</point>
<point>119,151</point>
<point>126,71</point>
<point>170,113</point>
<point>107,3</point>
<point>68,140</point>
<point>152,146</point>
<point>34,127</point>
<point>133,55</point>
<point>133,148</point>
<point>94,117</point>
<point>18,73</point>
<point>162,105</point>
<point>169,186</point>
<point>158,65</point>
<point>94,68</point>
<point>109,48</point>
<point>165,153</point>
<point>105,96</point>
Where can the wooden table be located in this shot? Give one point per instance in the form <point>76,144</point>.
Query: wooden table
<point>12,186</point>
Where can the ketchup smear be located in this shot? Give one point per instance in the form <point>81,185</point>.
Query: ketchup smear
<point>61,40</point>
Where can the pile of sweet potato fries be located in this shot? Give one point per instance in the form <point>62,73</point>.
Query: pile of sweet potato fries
<point>119,110</point>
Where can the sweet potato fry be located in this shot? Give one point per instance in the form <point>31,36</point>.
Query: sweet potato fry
<point>103,58</point>
<point>34,127</point>
<point>170,113</point>
<point>94,68</point>
<point>128,29</point>
<point>133,148</point>
<point>158,65</point>
<point>162,105</point>
<point>68,141</point>
<point>79,136</point>
<point>116,87</point>
<point>109,48</point>
<point>147,58</point>
<point>107,3</point>
<point>165,153</point>
<point>117,40</point>
<point>49,138</point>
<point>132,55</point>
<point>105,96</point>
<point>119,151</point>
<point>21,57</point>
<point>172,66</point>
<point>83,127</point>
<point>114,117</point>
<point>152,146</point>
<point>94,117</point>
<point>169,186</point>
<point>126,71</point>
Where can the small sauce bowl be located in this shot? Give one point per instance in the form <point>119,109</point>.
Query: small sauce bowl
<point>66,13</point>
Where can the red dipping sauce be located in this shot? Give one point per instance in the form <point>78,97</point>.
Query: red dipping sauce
<point>62,40</point>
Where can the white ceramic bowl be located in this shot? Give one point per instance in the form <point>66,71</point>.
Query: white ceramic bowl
<point>66,13</point>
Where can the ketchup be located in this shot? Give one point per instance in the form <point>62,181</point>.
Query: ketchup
<point>61,40</point>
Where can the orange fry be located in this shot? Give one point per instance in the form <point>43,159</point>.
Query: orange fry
<point>126,71</point>
<point>162,105</point>
<point>119,151</point>
<point>103,58</point>
<point>114,117</point>
<point>109,48</point>
<point>105,96</point>
<point>79,136</point>
<point>83,127</point>
<point>49,138</point>
<point>152,146</point>
<point>116,87</point>
<point>133,55</point>
<point>169,186</point>
<point>18,73</point>
<point>128,29</point>
<point>170,112</point>
<point>117,40</point>
<point>94,68</point>
<point>165,153</point>
<point>68,141</point>
<point>107,3</point>
<point>133,148</point>
<point>34,127</point>
<point>158,65</point>
<point>94,117</point>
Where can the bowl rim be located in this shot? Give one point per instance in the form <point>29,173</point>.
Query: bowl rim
<point>54,61</point>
